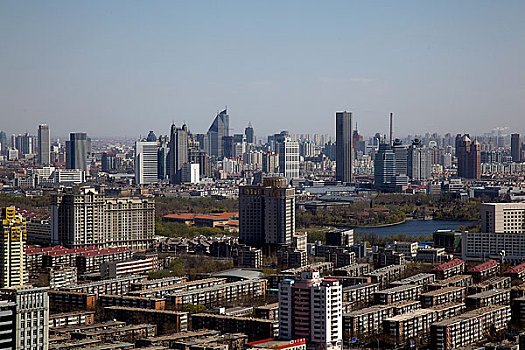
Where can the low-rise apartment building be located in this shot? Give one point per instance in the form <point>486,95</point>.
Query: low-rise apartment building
<point>450,268</point>
<point>454,281</point>
<point>385,275</point>
<point>443,295</point>
<point>503,282</point>
<point>485,270</point>
<point>469,327</point>
<point>422,279</point>
<point>365,322</point>
<point>360,293</point>
<point>71,319</point>
<point>489,297</point>
<point>220,294</point>
<point>254,328</point>
<point>167,321</point>
<point>397,294</point>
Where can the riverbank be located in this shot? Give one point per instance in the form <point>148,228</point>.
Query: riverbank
<point>382,225</point>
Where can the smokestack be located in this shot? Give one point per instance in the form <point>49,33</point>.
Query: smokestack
<point>391,129</point>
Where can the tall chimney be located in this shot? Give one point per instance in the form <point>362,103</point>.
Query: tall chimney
<point>391,129</point>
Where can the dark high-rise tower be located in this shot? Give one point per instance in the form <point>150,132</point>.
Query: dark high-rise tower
<point>515,147</point>
<point>77,150</point>
<point>151,137</point>
<point>344,151</point>
<point>469,158</point>
<point>178,153</point>
<point>43,144</point>
<point>218,129</point>
<point>250,138</point>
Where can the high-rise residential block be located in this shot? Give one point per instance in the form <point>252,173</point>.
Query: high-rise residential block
<point>178,154</point>
<point>80,217</point>
<point>146,162</point>
<point>31,319</point>
<point>311,308</point>
<point>267,213</point>
<point>515,147</point>
<point>43,144</point>
<point>469,158</point>
<point>503,217</point>
<point>218,129</point>
<point>12,246</point>
<point>78,148</point>
<point>344,149</point>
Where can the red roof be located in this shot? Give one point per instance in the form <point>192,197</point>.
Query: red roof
<point>485,266</point>
<point>71,251</point>
<point>105,251</point>
<point>517,269</point>
<point>448,265</point>
<point>35,250</point>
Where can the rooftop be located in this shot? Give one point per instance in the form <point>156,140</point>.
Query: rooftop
<point>485,266</point>
<point>448,265</point>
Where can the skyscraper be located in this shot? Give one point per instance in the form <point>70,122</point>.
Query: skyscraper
<point>469,158</point>
<point>43,144</point>
<point>267,213</point>
<point>3,142</point>
<point>400,157</point>
<point>77,150</point>
<point>218,129</point>
<point>515,147</point>
<point>12,246</point>
<point>288,151</point>
<point>311,308</point>
<point>146,162</point>
<point>419,162</point>
<point>250,138</point>
<point>384,167</point>
<point>344,152</point>
<point>178,154</point>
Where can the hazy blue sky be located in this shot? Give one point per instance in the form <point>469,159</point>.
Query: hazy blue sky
<point>126,67</point>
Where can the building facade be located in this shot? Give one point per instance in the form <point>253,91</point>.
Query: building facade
<point>178,153</point>
<point>344,150</point>
<point>311,308</point>
<point>78,148</point>
<point>12,258</point>
<point>146,162</point>
<point>82,217</point>
<point>43,144</point>
<point>469,158</point>
<point>31,316</point>
<point>267,213</point>
<point>218,129</point>
<point>503,217</point>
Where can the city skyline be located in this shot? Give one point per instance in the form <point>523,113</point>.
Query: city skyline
<point>142,66</point>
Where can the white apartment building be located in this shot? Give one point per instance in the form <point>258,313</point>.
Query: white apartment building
<point>311,308</point>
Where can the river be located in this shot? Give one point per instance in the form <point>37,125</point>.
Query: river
<point>415,227</point>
